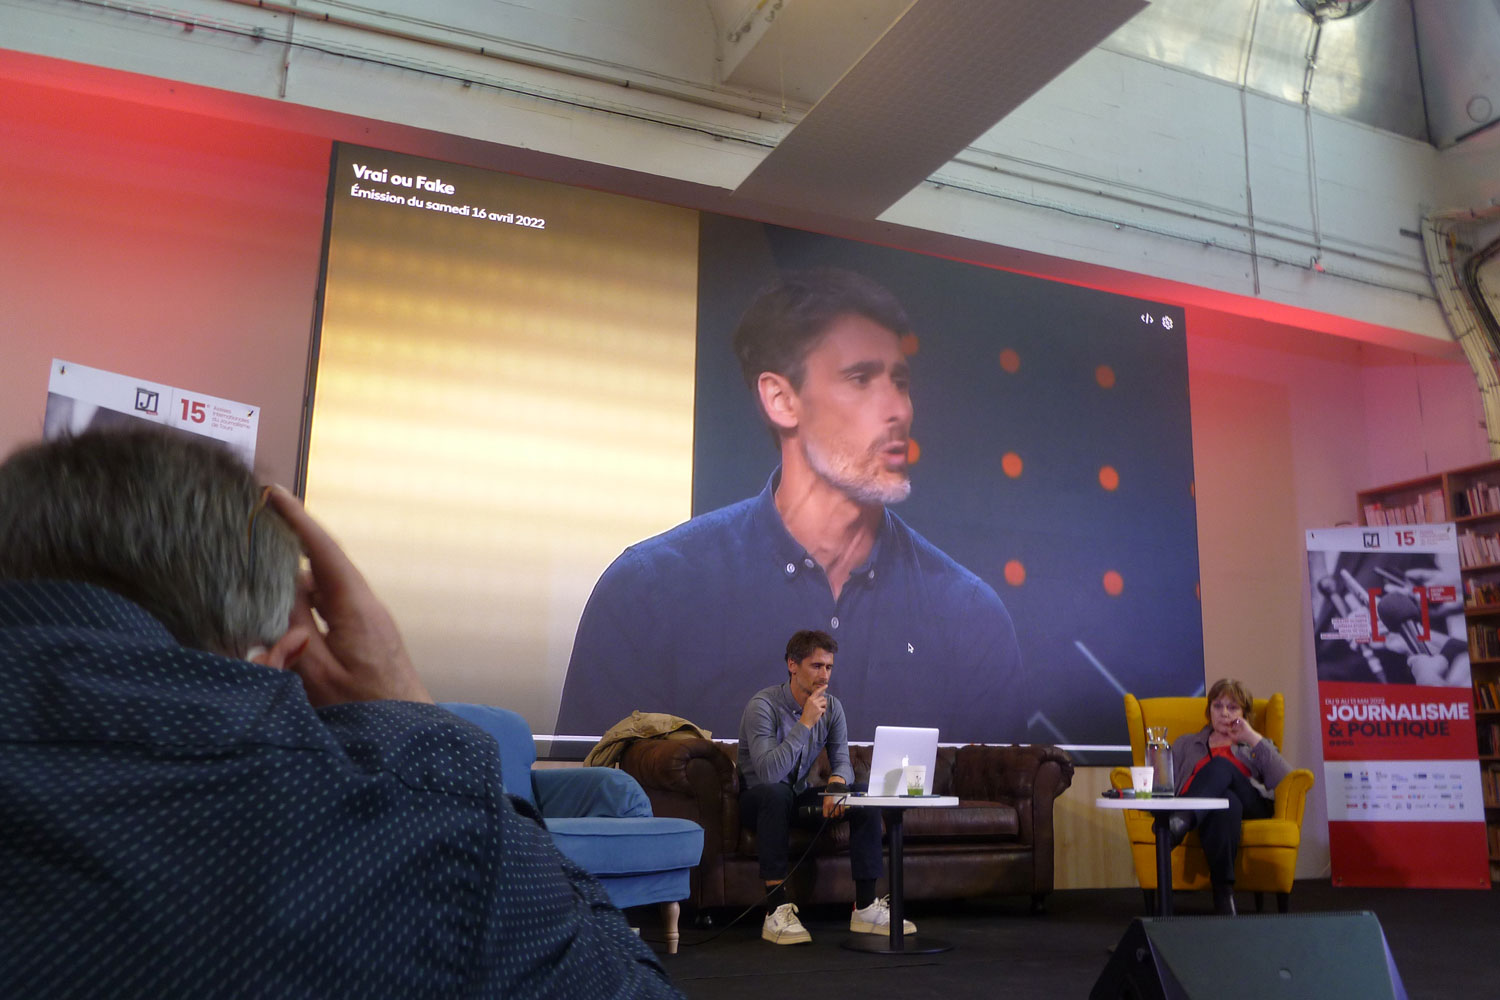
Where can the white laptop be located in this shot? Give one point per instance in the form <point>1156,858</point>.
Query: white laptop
<point>895,745</point>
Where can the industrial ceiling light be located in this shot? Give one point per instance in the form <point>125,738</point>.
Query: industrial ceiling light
<point>1333,10</point>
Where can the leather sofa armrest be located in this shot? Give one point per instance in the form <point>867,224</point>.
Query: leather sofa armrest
<point>1009,773</point>
<point>691,779</point>
<point>1029,777</point>
<point>664,764</point>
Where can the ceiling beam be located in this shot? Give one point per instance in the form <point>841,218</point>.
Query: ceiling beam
<point>943,74</point>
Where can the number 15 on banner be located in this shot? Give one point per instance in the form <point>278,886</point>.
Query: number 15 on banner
<point>233,423</point>
<point>194,411</point>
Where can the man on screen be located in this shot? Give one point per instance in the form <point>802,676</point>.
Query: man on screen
<point>682,622</point>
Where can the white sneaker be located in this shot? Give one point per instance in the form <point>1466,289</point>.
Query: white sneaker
<point>783,927</point>
<point>876,919</point>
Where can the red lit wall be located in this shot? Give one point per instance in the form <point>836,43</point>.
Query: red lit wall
<point>173,246</point>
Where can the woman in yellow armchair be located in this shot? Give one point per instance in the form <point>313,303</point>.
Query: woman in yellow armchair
<point>1225,759</point>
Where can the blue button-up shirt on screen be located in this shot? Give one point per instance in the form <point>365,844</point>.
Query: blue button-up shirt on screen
<point>695,621</point>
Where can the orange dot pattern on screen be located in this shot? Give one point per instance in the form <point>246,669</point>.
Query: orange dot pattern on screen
<point>1109,477</point>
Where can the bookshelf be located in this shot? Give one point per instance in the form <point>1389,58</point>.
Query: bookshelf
<point>1470,498</point>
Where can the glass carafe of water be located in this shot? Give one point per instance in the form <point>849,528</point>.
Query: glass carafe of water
<point>1159,759</point>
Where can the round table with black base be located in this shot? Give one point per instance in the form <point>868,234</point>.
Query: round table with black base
<point>1162,810</point>
<point>893,808</point>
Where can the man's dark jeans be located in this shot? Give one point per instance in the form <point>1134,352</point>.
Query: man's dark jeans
<point>772,810</point>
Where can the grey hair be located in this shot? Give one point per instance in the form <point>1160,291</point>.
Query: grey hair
<point>162,518</point>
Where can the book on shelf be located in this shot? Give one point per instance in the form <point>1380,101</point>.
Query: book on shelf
<point>1425,508</point>
<point>1477,498</point>
<point>1489,780</point>
<point>1477,550</point>
<point>1489,738</point>
<point>1484,642</point>
<point>1481,593</point>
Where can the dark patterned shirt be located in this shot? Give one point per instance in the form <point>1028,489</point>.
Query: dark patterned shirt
<point>179,824</point>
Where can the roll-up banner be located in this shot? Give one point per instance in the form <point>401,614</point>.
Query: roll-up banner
<point>1396,708</point>
<point>80,398</point>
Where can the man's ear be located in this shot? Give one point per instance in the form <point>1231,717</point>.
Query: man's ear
<point>285,651</point>
<point>778,400</point>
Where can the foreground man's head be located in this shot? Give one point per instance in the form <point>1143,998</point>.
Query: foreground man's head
<point>172,522</point>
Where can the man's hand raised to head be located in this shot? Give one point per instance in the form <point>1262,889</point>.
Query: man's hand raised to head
<point>360,655</point>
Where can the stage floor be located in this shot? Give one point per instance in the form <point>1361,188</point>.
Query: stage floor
<point>1443,942</point>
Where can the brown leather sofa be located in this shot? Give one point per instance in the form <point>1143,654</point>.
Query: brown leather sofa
<point>998,840</point>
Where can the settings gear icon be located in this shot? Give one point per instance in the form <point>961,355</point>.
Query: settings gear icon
<point>1166,323</point>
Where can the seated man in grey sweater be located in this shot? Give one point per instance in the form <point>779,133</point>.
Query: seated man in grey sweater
<point>783,730</point>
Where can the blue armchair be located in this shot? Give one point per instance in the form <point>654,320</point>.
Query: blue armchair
<point>600,818</point>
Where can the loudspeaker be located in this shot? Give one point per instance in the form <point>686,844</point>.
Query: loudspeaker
<point>1252,957</point>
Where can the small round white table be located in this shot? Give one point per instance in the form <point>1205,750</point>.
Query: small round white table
<point>1162,810</point>
<point>893,807</point>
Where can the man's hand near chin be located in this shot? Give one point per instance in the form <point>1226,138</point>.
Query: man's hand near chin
<point>359,656</point>
<point>833,807</point>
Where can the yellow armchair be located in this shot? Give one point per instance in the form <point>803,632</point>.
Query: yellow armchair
<point>1268,847</point>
